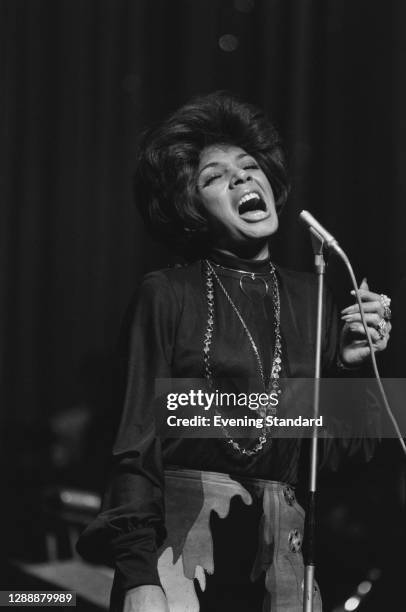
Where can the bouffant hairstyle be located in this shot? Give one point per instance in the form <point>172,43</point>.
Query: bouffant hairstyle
<point>168,159</point>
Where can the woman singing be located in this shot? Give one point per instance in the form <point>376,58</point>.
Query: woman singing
<point>211,181</point>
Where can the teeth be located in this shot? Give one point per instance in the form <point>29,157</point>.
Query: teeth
<point>249,202</point>
<point>247,197</point>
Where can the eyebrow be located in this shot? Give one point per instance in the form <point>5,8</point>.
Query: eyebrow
<point>218,163</point>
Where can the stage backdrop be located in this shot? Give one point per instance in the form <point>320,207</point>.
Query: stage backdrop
<point>80,79</point>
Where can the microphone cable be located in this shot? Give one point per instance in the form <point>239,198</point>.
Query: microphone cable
<point>392,418</point>
<point>330,242</point>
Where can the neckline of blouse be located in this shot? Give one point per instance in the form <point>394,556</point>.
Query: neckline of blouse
<point>237,265</point>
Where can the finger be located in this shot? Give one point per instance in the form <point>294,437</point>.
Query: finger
<point>372,318</point>
<point>364,284</point>
<point>381,345</point>
<point>367,296</point>
<point>365,352</point>
<point>358,330</point>
<point>367,306</point>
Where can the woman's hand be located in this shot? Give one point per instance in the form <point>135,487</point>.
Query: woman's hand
<point>354,347</point>
<point>148,598</point>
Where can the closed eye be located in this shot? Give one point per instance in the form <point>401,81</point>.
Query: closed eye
<point>210,179</point>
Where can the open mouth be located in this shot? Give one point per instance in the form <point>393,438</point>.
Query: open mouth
<point>250,204</point>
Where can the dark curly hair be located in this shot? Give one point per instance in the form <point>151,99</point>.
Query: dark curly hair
<point>168,158</point>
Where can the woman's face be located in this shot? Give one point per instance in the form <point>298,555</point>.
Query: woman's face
<point>236,196</point>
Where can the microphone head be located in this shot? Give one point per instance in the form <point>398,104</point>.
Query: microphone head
<point>307,217</point>
<point>315,227</point>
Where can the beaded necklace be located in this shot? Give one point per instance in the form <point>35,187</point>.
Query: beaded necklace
<point>273,382</point>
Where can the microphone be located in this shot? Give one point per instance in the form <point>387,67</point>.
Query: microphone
<point>318,230</point>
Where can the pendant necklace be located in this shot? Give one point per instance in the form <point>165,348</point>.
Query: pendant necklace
<point>270,386</point>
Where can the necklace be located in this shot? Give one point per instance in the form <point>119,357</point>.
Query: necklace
<point>244,274</point>
<point>273,381</point>
<point>253,275</point>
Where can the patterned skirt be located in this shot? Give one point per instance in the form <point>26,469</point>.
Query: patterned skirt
<point>233,544</point>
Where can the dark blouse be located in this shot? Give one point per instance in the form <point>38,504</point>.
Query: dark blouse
<point>166,340</point>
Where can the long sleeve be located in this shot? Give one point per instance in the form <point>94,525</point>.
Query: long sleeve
<point>130,527</point>
<point>330,336</point>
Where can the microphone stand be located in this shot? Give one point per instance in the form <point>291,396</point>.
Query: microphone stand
<point>310,521</point>
<point>320,238</point>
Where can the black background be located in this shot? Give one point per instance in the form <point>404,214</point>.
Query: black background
<point>79,80</point>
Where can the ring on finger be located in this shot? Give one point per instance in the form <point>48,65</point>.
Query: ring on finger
<point>382,329</point>
<point>385,301</point>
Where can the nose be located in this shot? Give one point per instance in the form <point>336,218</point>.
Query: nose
<point>239,177</point>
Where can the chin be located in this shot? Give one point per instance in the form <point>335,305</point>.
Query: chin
<point>261,232</point>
